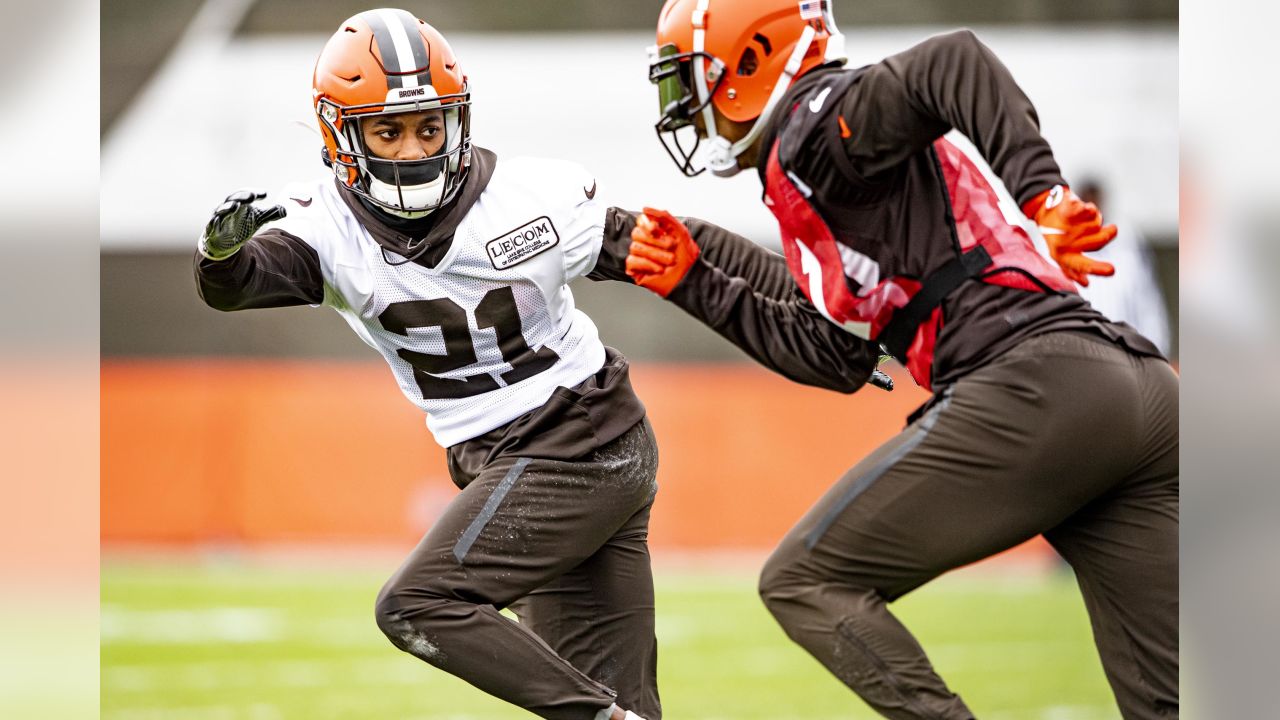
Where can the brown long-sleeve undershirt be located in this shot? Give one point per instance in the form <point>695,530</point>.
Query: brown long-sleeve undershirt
<point>273,269</point>
<point>901,105</point>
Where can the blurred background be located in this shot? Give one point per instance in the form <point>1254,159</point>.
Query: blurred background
<point>239,569</point>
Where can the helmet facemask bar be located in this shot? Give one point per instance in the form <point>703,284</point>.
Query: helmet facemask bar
<point>680,103</point>
<point>392,184</point>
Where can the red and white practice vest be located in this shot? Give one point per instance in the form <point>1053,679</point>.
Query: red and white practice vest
<point>902,313</point>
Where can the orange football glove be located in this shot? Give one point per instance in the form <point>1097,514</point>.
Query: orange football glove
<point>661,253</point>
<point>1071,227</point>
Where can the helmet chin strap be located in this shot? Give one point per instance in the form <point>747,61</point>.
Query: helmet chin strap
<point>722,155</point>
<point>699,66</point>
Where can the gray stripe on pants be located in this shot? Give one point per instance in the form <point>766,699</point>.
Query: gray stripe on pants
<point>490,507</point>
<point>877,471</point>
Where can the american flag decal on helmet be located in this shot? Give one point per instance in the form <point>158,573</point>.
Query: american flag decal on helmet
<point>811,9</point>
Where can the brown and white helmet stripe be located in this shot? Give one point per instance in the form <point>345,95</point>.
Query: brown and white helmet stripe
<point>404,55</point>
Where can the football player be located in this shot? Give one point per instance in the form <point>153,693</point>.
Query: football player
<point>454,266</point>
<point>1047,418</point>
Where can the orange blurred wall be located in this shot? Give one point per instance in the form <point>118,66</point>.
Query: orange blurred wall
<point>307,451</point>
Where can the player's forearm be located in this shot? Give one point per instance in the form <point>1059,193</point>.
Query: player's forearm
<point>764,271</point>
<point>745,294</point>
<point>787,336</point>
<point>950,81</point>
<point>271,270</point>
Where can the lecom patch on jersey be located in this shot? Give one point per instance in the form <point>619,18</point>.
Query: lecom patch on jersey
<point>524,242</point>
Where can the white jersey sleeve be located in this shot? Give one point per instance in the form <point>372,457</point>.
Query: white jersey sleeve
<point>316,215</point>
<point>583,233</point>
<point>303,217</point>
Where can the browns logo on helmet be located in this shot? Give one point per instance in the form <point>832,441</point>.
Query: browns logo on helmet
<point>736,58</point>
<point>382,62</point>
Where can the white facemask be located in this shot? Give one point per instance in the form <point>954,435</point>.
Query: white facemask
<point>425,196</point>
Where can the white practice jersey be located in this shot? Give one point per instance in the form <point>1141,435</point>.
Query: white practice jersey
<point>490,332</point>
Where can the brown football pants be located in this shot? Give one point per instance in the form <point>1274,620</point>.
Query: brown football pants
<point>565,546</point>
<point>1066,436</point>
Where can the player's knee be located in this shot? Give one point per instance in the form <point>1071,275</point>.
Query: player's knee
<point>780,579</point>
<point>387,612</point>
<point>412,637</point>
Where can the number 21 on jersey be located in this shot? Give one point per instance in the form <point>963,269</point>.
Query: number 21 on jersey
<point>496,310</point>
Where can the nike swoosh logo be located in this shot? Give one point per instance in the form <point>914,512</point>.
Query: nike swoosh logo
<point>815,105</point>
<point>591,194</point>
<point>300,201</point>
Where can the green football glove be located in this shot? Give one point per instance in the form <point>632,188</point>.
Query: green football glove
<point>234,222</point>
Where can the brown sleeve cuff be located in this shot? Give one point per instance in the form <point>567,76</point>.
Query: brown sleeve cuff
<point>612,262</point>
<point>273,269</point>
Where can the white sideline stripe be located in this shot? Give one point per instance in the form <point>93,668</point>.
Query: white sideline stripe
<point>262,711</point>
<point>234,673</point>
<point>183,627</point>
<point>1027,653</point>
<point>227,624</point>
<point>1058,712</point>
<point>400,39</point>
<point>255,711</point>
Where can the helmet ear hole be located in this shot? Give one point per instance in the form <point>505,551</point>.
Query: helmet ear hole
<point>748,63</point>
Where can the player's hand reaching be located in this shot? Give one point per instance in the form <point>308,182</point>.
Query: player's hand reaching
<point>1071,227</point>
<point>662,251</point>
<point>234,222</point>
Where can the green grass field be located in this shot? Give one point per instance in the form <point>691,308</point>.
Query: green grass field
<point>192,640</point>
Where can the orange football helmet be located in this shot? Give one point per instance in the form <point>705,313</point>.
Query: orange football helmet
<point>382,62</point>
<point>736,58</point>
